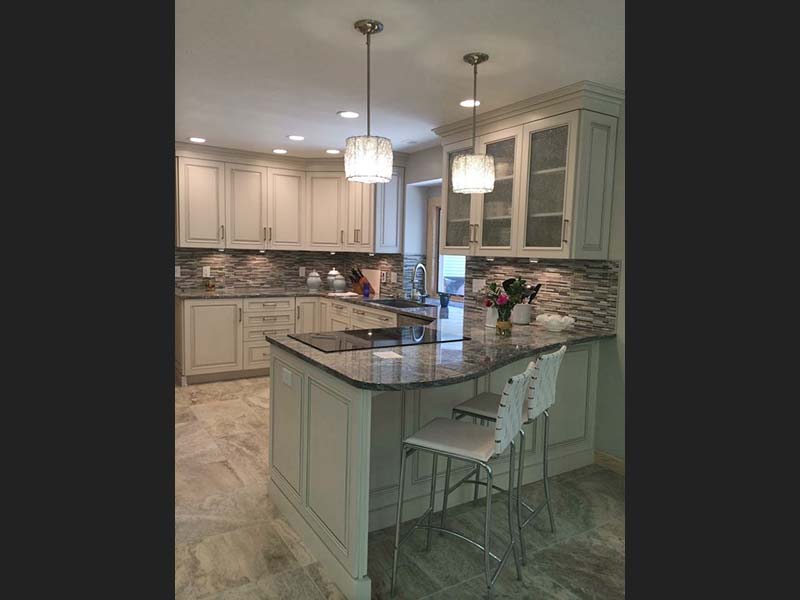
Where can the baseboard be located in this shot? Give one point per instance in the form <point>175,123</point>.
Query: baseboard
<point>209,377</point>
<point>610,462</point>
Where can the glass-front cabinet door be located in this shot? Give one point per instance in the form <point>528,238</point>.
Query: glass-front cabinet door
<point>495,212</point>
<point>545,212</point>
<point>457,235</point>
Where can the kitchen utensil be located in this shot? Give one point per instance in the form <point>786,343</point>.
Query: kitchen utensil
<point>535,291</point>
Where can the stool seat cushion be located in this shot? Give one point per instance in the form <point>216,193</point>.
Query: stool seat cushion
<point>484,404</point>
<point>456,437</point>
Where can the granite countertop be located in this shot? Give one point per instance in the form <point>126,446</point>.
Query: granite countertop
<point>430,309</point>
<point>431,365</point>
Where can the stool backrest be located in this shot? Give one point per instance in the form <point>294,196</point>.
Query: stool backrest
<point>542,392</point>
<point>509,413</point>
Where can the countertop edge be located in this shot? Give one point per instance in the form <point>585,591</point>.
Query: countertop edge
<point>481,371</point>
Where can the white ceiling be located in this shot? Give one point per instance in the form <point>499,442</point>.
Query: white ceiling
<point>250,72</point>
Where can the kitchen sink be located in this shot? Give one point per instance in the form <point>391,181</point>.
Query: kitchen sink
<point>397,303</point>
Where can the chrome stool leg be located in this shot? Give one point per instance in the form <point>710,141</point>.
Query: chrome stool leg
<point>477,473</point>
<point>544,469</point>
<point>488,531</point>
<point>446,491</point>
<point>433,501</point>
<point>403,456</point>
<point>519,492</point>
<point>510,520</point>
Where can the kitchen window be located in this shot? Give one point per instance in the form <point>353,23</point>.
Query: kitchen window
<point>448,271</point>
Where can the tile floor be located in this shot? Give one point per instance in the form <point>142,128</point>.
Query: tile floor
<point>232,544</point>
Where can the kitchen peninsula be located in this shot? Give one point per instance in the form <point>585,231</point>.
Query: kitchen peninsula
<point>337,420</point>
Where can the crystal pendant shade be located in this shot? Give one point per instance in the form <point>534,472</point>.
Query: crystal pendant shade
<point>368,159</point>
<point>473,174</point>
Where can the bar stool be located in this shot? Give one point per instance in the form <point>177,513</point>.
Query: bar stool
<point>474,444</point>
<point>543,373</point>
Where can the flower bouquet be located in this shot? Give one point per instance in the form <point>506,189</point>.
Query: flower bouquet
<point>503,298</point>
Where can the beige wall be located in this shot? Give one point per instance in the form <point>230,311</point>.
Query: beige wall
<point>610,423</point>
<point>424,165</point>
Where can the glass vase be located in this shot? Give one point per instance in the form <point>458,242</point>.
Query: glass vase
<point>503,328</point>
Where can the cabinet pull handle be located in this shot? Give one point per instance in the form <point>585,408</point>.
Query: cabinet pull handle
<point>222,231</point>
<point>359,312</point>
<point>476,233</point>
<point>270,234</point>
<point>240,315</point>
<point>341,237</point>
<point>298,313</point>
<point>564,231</point>
<point>265,234</point>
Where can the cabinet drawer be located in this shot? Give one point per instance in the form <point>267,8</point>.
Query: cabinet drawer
<point>269,319</point>
<point>256,355</point>
<point>374,318</point>
<point>268,304</point>
<point>252,334</point>
<point>340,308</point>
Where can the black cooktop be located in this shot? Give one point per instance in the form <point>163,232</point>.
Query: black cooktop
<point>366,339</point>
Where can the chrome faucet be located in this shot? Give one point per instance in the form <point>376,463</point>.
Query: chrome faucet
<point>415,293</point>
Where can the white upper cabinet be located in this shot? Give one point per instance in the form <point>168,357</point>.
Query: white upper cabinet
<point>554,181</point>
<point>594,185</point>
<point>325,203</point>
<point>494,214</point>
<point>286,209</point>
<point>246,202</point>
<point>389,207</point>
<point>548,186</point>
<point>201,203</point>
<point>457,227</point>
<point>359,217</point>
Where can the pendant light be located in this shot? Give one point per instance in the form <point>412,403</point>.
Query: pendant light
<point>368,158</point>
<point>473,173</point>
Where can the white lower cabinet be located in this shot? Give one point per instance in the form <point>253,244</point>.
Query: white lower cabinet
<point>212,336</point>
<point>224,335</point>
<point>306,315</point>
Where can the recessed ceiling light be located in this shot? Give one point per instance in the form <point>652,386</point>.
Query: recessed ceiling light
<point>197,140</point>
<point>332,151</point>
<point>280,151</point>
<point>296,138</point>
<point>348,114</point>
<point>470,103</point>
<point>410,142</point>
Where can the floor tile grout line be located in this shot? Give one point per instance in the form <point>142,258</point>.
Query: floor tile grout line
<point>450,587</point>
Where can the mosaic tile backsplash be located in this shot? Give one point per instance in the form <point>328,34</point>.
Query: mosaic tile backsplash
<point>245,268</point>
<point>584,289</point>
<point>409,262</point>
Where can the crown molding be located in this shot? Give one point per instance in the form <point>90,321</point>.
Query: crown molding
<point>583,94</point>
<point>264,159</point>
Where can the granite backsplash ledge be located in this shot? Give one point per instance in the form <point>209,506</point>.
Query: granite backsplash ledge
<point>584,289</point>
<point>247,268</point>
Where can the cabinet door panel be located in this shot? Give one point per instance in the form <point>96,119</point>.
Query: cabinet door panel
<point>595,185</point>
<point>546,197</point>
<point>246,202</point>
<point>201,203</point>
<point>496,211</point>
<point>286,407</point>
<point>457,232</point>
<point>286,209</point>
<point>389,207</point>
<point>325,208</point>
<point>306,315</point>
<point>214,336</point>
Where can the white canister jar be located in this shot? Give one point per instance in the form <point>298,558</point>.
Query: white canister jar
<point>331,276</point>
<point>521,314</point>
<point>314,281</point>
<point>339,283</point>
<point>491,316</point>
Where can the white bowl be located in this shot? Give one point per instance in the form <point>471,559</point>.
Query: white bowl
<point>553,322</point>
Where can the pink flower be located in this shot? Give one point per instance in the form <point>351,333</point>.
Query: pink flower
<point>502,299</point>
<point>487,302</point>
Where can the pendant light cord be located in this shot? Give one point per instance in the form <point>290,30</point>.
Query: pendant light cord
<point>369,35</point>
<point>474,101</point>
